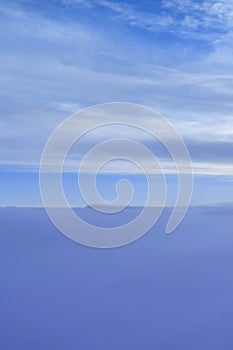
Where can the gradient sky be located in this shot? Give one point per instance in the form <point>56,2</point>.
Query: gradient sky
<point>58,57</point>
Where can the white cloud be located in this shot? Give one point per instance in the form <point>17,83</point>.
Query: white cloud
<point>55,69</point>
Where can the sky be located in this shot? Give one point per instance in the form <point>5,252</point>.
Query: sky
<point>60,57</point>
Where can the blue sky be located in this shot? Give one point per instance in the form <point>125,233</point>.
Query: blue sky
<point>58,57</point>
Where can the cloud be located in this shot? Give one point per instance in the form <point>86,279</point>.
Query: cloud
<point>52,66</point>
<point>209,20</point>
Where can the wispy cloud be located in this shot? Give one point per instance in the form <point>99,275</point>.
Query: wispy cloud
<point>53,66</point>
<point>211,19</point>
